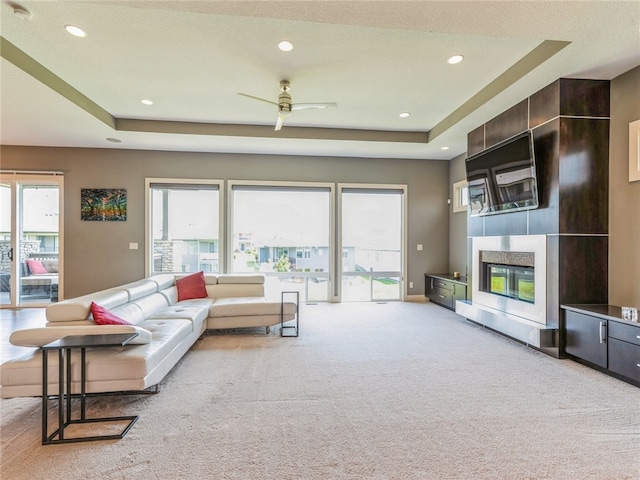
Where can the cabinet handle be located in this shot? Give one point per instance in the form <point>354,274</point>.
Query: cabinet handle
<point>441,296</point>
<point>602,332</point>
<point>638,365</point>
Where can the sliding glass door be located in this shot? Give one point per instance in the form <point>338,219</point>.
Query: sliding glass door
<point>371,243</point>
<point>30,227</point>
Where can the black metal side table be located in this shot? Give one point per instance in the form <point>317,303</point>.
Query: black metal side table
<point>64,347</point>
<point>296,326</point>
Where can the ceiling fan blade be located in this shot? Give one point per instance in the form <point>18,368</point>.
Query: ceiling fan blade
<point>258,98</point>
<point>310,106</point>
<point>279,122</point>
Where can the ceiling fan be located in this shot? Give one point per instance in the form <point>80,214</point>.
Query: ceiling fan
<point>285,107</point>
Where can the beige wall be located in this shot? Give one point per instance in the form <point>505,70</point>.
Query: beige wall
<point>624,196</point>
<point>458,220</point>
<point>97,254</point>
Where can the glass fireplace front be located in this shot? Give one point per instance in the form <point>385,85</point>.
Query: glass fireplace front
<point>512,281</point>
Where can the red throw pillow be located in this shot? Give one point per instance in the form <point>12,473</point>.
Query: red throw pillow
<point>192,286</point>
<point>36,267</point>
<point>102,316</point>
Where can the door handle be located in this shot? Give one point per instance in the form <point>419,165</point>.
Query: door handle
<point>10,254</point>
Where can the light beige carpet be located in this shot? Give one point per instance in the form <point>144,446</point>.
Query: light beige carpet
<point>368,391</point>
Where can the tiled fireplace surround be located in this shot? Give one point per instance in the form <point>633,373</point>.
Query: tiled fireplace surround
<point>568,233</point>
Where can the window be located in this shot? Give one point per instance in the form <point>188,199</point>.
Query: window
<point>275,227</point>
<point>460,196</point>
<point>184,225</point>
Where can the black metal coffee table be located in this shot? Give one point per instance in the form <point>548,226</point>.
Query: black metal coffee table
<point>64,347</point>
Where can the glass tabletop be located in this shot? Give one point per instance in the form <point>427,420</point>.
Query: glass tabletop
<point>82,341</point>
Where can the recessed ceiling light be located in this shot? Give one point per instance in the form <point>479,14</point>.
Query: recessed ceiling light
<point>113,140</point>
<point>444,148</point>
<point>455,59</point>
<point>75,31</point>
<point>285,46</point>
<point>404,114</point>
<point>146,101</point>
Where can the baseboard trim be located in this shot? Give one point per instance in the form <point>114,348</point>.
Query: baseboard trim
<point>415,298</point>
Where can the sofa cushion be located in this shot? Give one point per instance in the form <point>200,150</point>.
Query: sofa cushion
<point>140,289</point>
<point>115,363</point>
<point>171,294</point>
<point>238,306</point>
<point>191,286</point>
<point>151,304</point>
<point>209,278</point>
<point>195,312</point>
<point>250,307</point>
<point>227,290</point>
<point>131,312</point>
<point>51,265</point>
<point>102,316</point>
<point>164,280</point>
<point>246,278</point>
<point>36,267</point>
<point>79,308</point>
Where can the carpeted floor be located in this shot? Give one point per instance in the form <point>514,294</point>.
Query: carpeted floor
<point>368,391</point>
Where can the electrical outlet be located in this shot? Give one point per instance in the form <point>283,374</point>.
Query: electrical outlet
<point>419,247</point>
<point>410,284</point>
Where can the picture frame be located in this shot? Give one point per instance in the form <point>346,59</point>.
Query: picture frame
<point>103,204</point>
<point>460,196</point>
<point>634,151</point>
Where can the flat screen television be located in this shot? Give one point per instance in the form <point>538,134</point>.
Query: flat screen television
<point>502,178</point>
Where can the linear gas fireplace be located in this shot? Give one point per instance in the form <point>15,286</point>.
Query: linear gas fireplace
<point>509,275</point>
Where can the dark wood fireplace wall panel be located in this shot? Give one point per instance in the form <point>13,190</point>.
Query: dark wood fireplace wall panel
<point>584,175</point>
<point>507,124</point>
<point>584,263</point>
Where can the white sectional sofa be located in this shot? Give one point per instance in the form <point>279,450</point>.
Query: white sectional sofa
<point>166,329</point>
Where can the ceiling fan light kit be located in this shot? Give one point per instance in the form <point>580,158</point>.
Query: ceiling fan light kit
<point>285,105</point>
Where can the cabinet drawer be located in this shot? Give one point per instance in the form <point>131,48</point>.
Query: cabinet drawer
<point>442,284</point>
<point>442,296</point>
<point>626,333</point>
<point>624,358</point>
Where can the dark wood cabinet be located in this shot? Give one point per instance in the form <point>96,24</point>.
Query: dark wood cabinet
<point>624,350</point>
<point>598,336</point>
<point>444,289</point>
<point>586,338</point>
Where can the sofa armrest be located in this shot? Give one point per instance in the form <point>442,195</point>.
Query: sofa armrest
<point>37,337</point>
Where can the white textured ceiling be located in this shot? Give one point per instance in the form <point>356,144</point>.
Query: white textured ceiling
<point>375,59</point>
